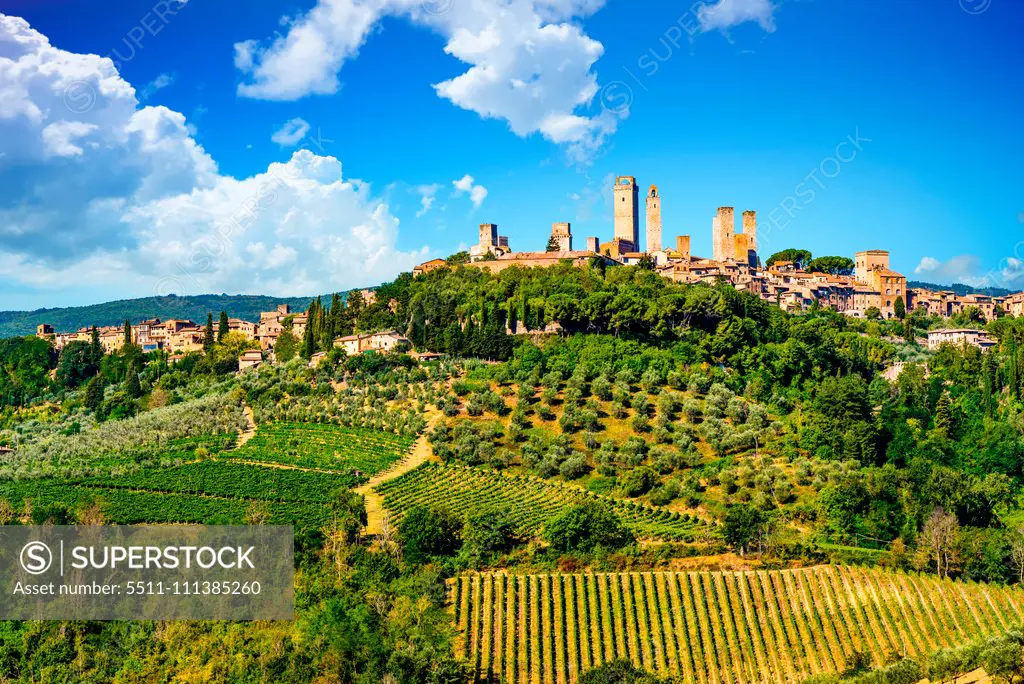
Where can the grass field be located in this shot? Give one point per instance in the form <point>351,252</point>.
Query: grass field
<point>715,627</point>
<point>531,500</point>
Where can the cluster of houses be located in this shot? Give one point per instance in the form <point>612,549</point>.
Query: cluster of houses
<point>179,337</point>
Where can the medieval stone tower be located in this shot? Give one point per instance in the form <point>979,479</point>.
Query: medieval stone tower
<point>561,233</point>
<point>750,227</point>
<point>627,214</point>
<point>488,236</point>
<point>722,235</point>
<point>653,220</point>
<point>683,246</point>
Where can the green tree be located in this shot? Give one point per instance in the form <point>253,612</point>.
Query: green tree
<point>799,257</point>
<point>458,258</point>
<point>131,382</point>
<point>287,346</point>
<point>427,532</point>
<point>899,308</point>
<point>487,532</point>
<point>95,348</point>
<point>552,244</point>
<point>223,327</point>
<point>77,363</point>
<point>208,337</point>
<point>308,341</point>
<point>127,332</point>
<point>743,525</point>
<point>94,393</point>
<point>638,481</point>
<point>586,526</point>
<point>835,265</point>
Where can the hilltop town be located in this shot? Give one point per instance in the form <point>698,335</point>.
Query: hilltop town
<point>868,287</point>
<point>872,284</point>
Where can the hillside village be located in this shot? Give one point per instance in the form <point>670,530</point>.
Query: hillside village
<point>869,288</point>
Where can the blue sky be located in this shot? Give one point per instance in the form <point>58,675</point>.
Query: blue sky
<point>108,192</point>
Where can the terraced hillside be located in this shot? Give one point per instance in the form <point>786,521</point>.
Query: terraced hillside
<point>531,500</point>
<point>716,627</point>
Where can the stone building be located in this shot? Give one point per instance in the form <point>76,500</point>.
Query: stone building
<point>626,215</point>
<point>490,243</point>
<point>723,245</point>
<point>959,337</point>
<point>872,268</point>
<point>653,220</point>
<point>561,234</point>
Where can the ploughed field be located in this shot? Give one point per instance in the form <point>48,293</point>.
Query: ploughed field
<point>287,473</point>
<point>531,500</point>
<point>715,627</point>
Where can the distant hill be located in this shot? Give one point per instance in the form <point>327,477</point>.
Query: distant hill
<point>246,307</point>
<point>962,289</point>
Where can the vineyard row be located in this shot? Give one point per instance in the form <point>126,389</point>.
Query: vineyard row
<point>715,627</point>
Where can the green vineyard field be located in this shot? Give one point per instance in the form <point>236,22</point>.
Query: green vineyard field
<point>232,487</point>
<point>531,500</point>
<point>715,627</point>
<point>131,507</point>
<point>330,447</point>
<point>219,478</point>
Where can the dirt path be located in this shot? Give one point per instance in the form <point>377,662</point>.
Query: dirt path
<point>249,432</point>
<point>421,453</point>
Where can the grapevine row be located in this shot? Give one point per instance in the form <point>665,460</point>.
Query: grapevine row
<point>531,500</point>
<point>715,627</point>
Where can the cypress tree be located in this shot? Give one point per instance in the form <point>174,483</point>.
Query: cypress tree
<point>127,332</point>
<point>94,393</point>
<point>1020,372</point>
<point>987,371</point>
<point>1013,375</point>
<point>308,345</point>
<point>208,338</point>
<point>95,347</point>
<point>337,310</point>
<point>944,415</point>
<point>222,326</point>
<point>131,382</point>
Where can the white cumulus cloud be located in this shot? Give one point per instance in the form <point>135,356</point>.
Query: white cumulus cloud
<point>159,83</point>
<point>291,133</point>
<point>959,269</point>
<point>428,194</point>
<point>724,14</point>
<point>98,191</point>
<point>528,62</point>
<point>468,185</point>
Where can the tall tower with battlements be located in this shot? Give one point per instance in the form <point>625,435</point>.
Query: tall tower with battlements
<point>722,235</point>
<point>627,213</point>
<point>750,228</point>
<point>653,220</point>
<point>561,233</point>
